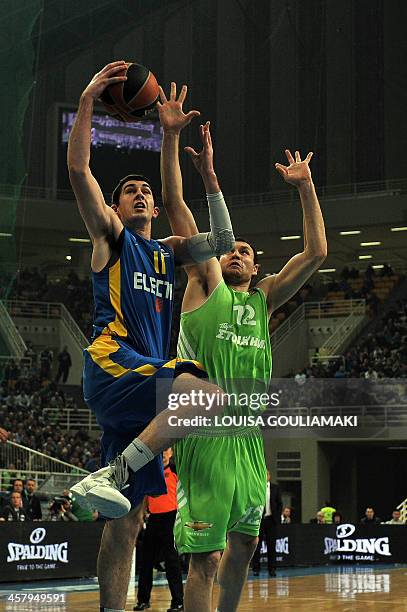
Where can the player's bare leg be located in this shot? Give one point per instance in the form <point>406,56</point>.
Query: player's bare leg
<point>101,490</point>
<point>115,558</point>
<point>158,435</point>
<point>199,585</point>
<point>233,569</point>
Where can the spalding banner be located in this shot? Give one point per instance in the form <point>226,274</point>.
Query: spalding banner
<point>30,551</point>
<point>361,546</point>
<point>320,544</point>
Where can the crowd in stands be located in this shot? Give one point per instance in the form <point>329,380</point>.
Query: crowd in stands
<point>363,290</point>
<point>328,515</point>
<point>75,293</point>
<point>24,394</point>
<point>378,355</point>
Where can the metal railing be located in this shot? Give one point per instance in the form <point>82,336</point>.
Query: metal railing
<point>390,187</point>
<point>317,310</point>
<point>47,482</point>
<point>33,309</point>
<point>73,327</point>
<point>13,338</point>
<point>335,308</point>
<point>30,460</point>
<point>71,418</point>
<point>345,331</point>
<point>294,321</point>
<point>47,310</point>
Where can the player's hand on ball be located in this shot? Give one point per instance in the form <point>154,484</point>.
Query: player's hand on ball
<point>172,117</point>
<point>107,76</point>
<point>203,161</point>
<point>298,172</point>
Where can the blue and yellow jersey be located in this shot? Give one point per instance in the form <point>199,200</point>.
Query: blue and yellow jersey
<point>134,296</point>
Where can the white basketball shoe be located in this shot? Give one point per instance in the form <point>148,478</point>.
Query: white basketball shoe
<point>101,490</point>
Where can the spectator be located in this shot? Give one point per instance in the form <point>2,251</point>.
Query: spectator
<point>8,475</point>
<point>286,516</point>
<point>337,518</point>
<point>371,374</point>
<point>319,519</point>
<point>370,517</point>
<point>159,536</point>
<point>387,270</point>
<point>14,511</point>
<point>60,509</point>
<point>64,365</point>
<point>17,485</point>
<point>45,363</point>
<point>395,518</point>
<point>271,518</point>
<point>31,503</point>
<point>328,511</point>
<point>3,435</point>
<point>300,378</point>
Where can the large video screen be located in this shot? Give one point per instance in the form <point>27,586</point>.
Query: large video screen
<point>117,148</point>
<point>109,132</point>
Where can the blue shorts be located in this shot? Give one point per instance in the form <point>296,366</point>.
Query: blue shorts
<point>120,387</point>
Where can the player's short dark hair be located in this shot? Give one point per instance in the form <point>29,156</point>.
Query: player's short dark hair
<point>255,257</point>
<point>130,177</point>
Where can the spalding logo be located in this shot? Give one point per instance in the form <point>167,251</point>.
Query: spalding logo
<point>37,535</point>
<point>344,531</point>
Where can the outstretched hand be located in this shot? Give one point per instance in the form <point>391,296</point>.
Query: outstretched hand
<point>298,172</point>
<point>172,117</point>
<point>203,161</point>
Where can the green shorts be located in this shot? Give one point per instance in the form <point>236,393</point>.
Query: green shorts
<point>221,488</point>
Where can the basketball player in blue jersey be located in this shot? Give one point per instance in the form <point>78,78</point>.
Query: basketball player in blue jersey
<point>133,279</point>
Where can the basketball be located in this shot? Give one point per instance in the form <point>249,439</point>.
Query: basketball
<point>134,98</point>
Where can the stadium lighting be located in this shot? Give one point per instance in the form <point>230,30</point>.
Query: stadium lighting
<point>324,270</point>
<point>365,256</point>
<point>378,266</point>
<point>398,229</point>
<point>290,237</point>
<point>5,235</point>
<point>350,232</point>
<point>68,257</point>
<point>376,243</point>
<point>79,240</point>
<point>260,252</point>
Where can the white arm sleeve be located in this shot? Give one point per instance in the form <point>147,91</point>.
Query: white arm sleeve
<point>220,239</point>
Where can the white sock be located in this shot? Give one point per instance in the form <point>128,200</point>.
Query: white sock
<point>137,454</point>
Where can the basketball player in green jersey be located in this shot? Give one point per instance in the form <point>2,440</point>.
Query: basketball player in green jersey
<point>224,325</point>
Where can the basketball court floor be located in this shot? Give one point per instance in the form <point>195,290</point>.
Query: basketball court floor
<point>341,588</point>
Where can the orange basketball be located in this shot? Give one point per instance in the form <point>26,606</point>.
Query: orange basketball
<point>134,98</point>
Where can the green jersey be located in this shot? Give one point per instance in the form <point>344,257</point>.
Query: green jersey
<point>229,335</point>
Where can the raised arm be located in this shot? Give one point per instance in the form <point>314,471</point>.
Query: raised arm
<point>194,248</point>
<point>98,217</point>
<point>280,287</point>
<point>173,120</point>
